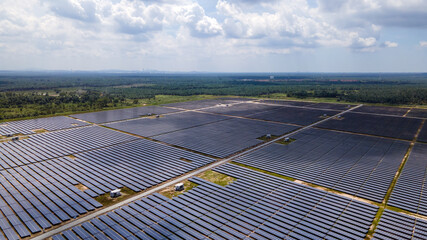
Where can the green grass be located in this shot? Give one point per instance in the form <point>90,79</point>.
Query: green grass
<point>264,138</point>
<point>282,141</point>
<point>40,130</point>
<point>105,199</point>
<point>217,178</point>
<point>396,209</point>
<point>170,192</point>
<point>165,99</point>
<point>387,197</point>
<point>375,223</point>
<point>160,99</point>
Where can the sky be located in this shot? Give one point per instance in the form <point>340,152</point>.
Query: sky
<point>214,36</point>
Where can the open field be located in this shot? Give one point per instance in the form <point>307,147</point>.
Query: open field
<point>341,167</point>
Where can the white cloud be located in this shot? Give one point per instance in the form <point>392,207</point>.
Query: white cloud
<point>136,17</point>
<point>423,44</point>
<point>292,25</point>
<point>390,44</point>
<point>117,29</point>
<point>389,13</point>
<point>193,16</point>
<point>83,10</point>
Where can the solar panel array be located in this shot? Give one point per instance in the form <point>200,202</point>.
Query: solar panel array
<point>137,165</point>
<point>191,105</point>
<point>44,146</point>
<point>385,126</point>
<point>241,109</point>
<point>122,114</point>
<point>422,136</point>
<point>256,206</point>
<point>221,139</point>
<point>50,178</point>
<point>239,99</point>
<point>394,225</point>
<point>408,194</point>
<point>416,112</point>
<point>358,165</point>
<point>26,127</point>
<point>382,110</point>
<point>154,126</point>
<point>332,106</point>
<point>294,115</point>
<point>40,195</point>
<point>285,102</point>
<point>36,198</point>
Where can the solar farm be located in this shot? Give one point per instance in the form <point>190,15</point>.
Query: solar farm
<point>294,170</point>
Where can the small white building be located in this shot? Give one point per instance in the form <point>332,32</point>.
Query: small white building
<point>115,193</point>
<point>179,187</point>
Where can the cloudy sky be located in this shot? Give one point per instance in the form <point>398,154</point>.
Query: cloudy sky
<point>210,35</point>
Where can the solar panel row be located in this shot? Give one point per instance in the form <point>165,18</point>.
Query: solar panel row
<point>142,164</point>
<point>192,105</point>
<point>294,115</point>
<point>148,127</point>
<point>331,106</point>
<point>408,194</point>
<point>224,138</point>
<point>358,165</point>
<point>45,146</point>
<point>122,114</point>
<point>27,126</point>
<point>384,126</point>
<point>394,225</point>
<point>382,110</point>
<point>43,193</point>
<point>422,136</point>
<point>416,112</point>
<point>240,109</point>
<point>285,102</point>
<point>256,206</point>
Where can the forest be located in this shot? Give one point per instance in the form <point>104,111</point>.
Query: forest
<point>33,94</point>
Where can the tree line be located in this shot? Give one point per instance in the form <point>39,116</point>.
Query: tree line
<point>32,96</point>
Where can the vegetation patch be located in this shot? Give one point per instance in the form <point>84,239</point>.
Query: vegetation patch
<point>71,156</point>
<point>217,178</point>
<point>265,138</point>
<point>154,116</point>
<point>284,142</point>
<point>106,200</point>
<point>41,130</point>
<point>396,209</point>
<point>339,118</point>
<point>324,116</point>
<point>375,223</point>
<point>264,171</point>
<point>135,85</point>
<point>81,187</point>
<point>15,137</point>
<point>170,192</point>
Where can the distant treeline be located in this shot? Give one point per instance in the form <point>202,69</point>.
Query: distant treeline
<point>386,92</point>
<point>21,105</point>
<point>27,95</point>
